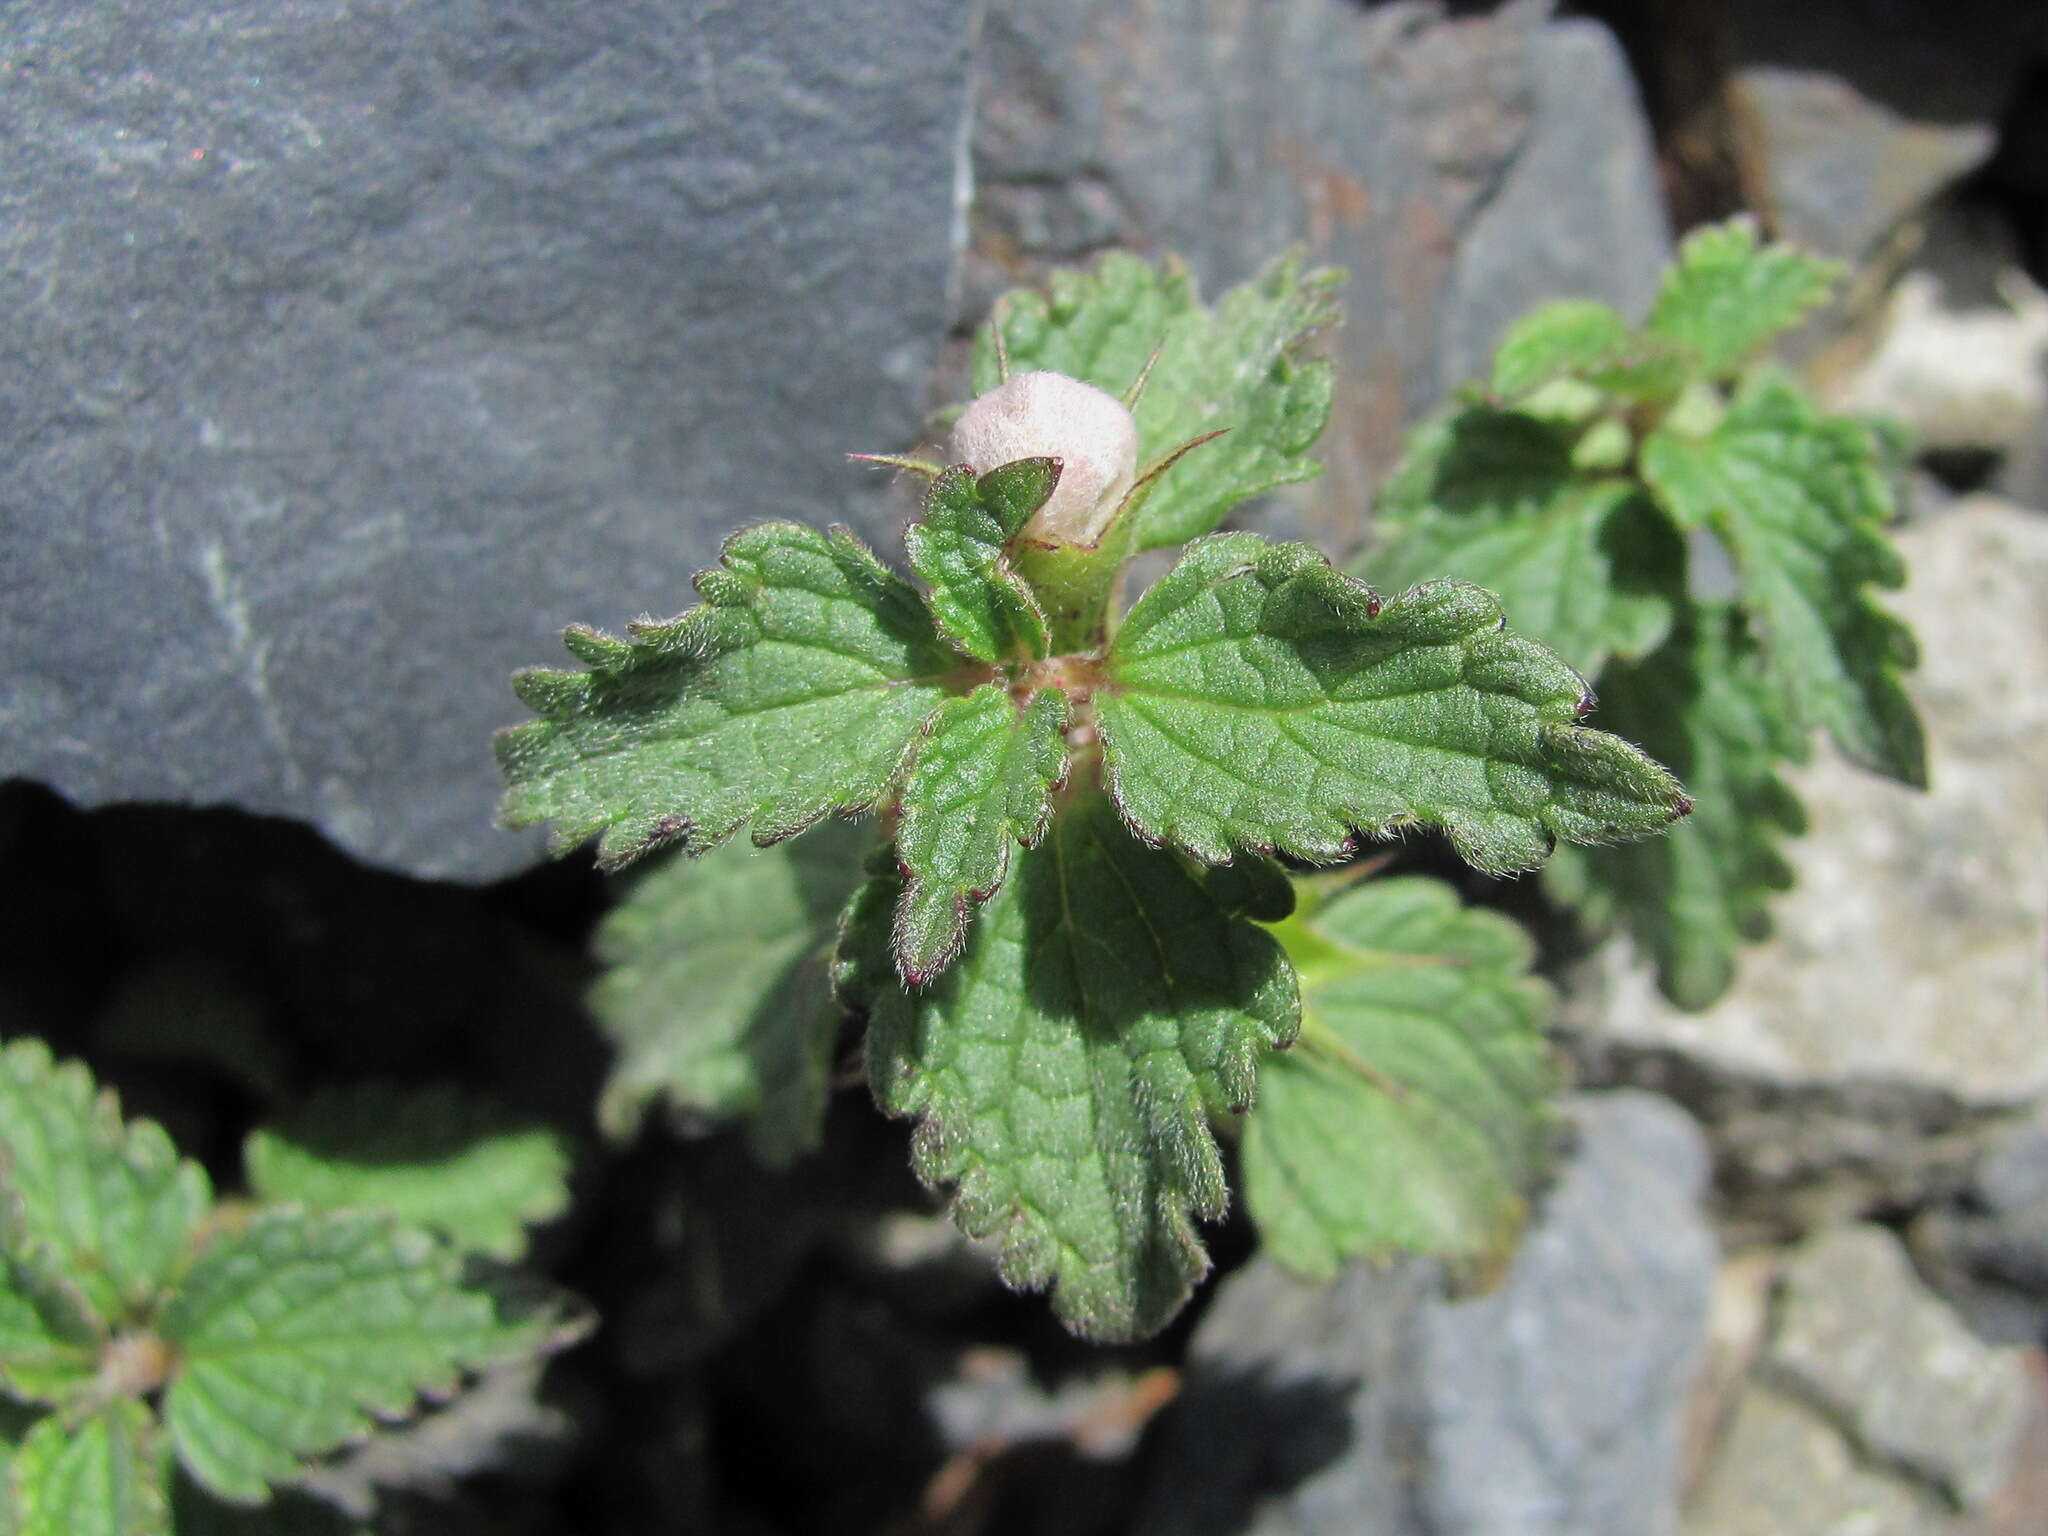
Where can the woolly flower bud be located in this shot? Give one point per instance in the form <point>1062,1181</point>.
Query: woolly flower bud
<point>1048,415</point>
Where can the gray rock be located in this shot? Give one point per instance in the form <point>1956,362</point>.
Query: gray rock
<point>1460,167</point>
<point>1987,1249</point>
<point>353,349</point>
<point>1862,1339</point>
<point>1840,171</point>
<point>1553,1405</point>
<point>1783,1469</point>
<point>1586,171</point>
<point>1866,1052</point>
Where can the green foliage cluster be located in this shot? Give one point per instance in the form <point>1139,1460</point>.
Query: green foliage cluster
<point>1071,941</point>
<point>1597,482</point>
<point>149,1330</point>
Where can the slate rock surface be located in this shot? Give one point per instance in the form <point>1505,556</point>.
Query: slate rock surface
<point>1460,165</point>
<point>1550,1406</point>
<point>1895,1021</point>
<point>1860,1337</point>
<point>354,348</point>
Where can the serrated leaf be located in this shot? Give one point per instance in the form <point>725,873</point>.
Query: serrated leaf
<point>1570,339</point>
<point>297,1330</point>
<point>981,605</point>
<point>715,993</point>
<point>1240,366</point>
<point>1256,699</point>
<point>111,1203</point>
<point>1063,1069</point>
<point>982,779</point>
<point>790,693</point>
<point>1801,501</point>
<point>49,1338</point>
<point>1412,1116</point>
<point>1692,899</point>
<point>1728,294</point>
<point>103,1477</point>
<point>1583,564</point>
<point>432,1156</point>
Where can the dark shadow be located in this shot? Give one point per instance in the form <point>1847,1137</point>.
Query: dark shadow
<point>1237,1438</point>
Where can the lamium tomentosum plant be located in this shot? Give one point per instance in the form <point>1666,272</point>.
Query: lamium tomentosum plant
<point>1072,944</point>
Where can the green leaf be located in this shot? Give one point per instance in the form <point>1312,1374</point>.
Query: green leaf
<point>791,692</point>
<point>1728,294</point>
<point>1412,1116</point>
<point>1256,699</point>
<point>983,779</point>
<point>103,1477</point>
<point>112,1205</point>
<point>49,1338</point>
<point>1584,565</point>
<point>981,605</point>
<point>1554,341</point>
<point>1239,366</point>
<point>715,992</point>
<point>1690,900</point>
<point>296,1330</point>
<point>1063,1070</point>
<point>1801,501</point>
<point>431,1156</point>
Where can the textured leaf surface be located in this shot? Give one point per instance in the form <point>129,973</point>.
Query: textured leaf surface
<point>1257,700</point>
<point>431,1156</point>
<point>1239,366</point>
<point>982,606</point>
<point>49,1338</point>
<point>1690,900</point>
<point>1585,565</point>
<point>1063,1069</point>
<point>716,994</point>
<point>105,1477</point>
<point>1728,293</point>
<point>982,780</point>
<point>298,1329</point>
<point>111,1204</point>
<point>1565,340</point>
<point>790,692</point>
<point>1412,1116</point>
<point>1801,501</point>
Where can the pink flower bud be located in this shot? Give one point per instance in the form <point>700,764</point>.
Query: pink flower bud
<point>1048,415</point>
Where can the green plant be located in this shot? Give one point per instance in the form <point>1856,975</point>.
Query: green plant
<point>1073,947</point>
<point>1570,483</point>
<point>147,1327</point>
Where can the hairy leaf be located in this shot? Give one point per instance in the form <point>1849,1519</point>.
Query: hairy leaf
<point>1728,294</point>
<point>982,780</point>
<point>296,1330</point>
<point>111,1204</point>
<point>1570,339</point>
<point>1257,699</point>
<point>49,1337</point>
<point>104,1476</point>
<point>1690,900</point>
<point>1801,500</point>
<point>431,1156</point>
<point>1062,1071</point>
<point>1412,1114</point>
<point>1239,366</point>
<point>716,995</point>
<point>981,605</point>
<point>789,693</point>
<point>1585,565</point>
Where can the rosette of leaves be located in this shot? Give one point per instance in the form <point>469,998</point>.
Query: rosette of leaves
<point>150,1334</point>
<point>1058,946</point>
<point>1584,481</point>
